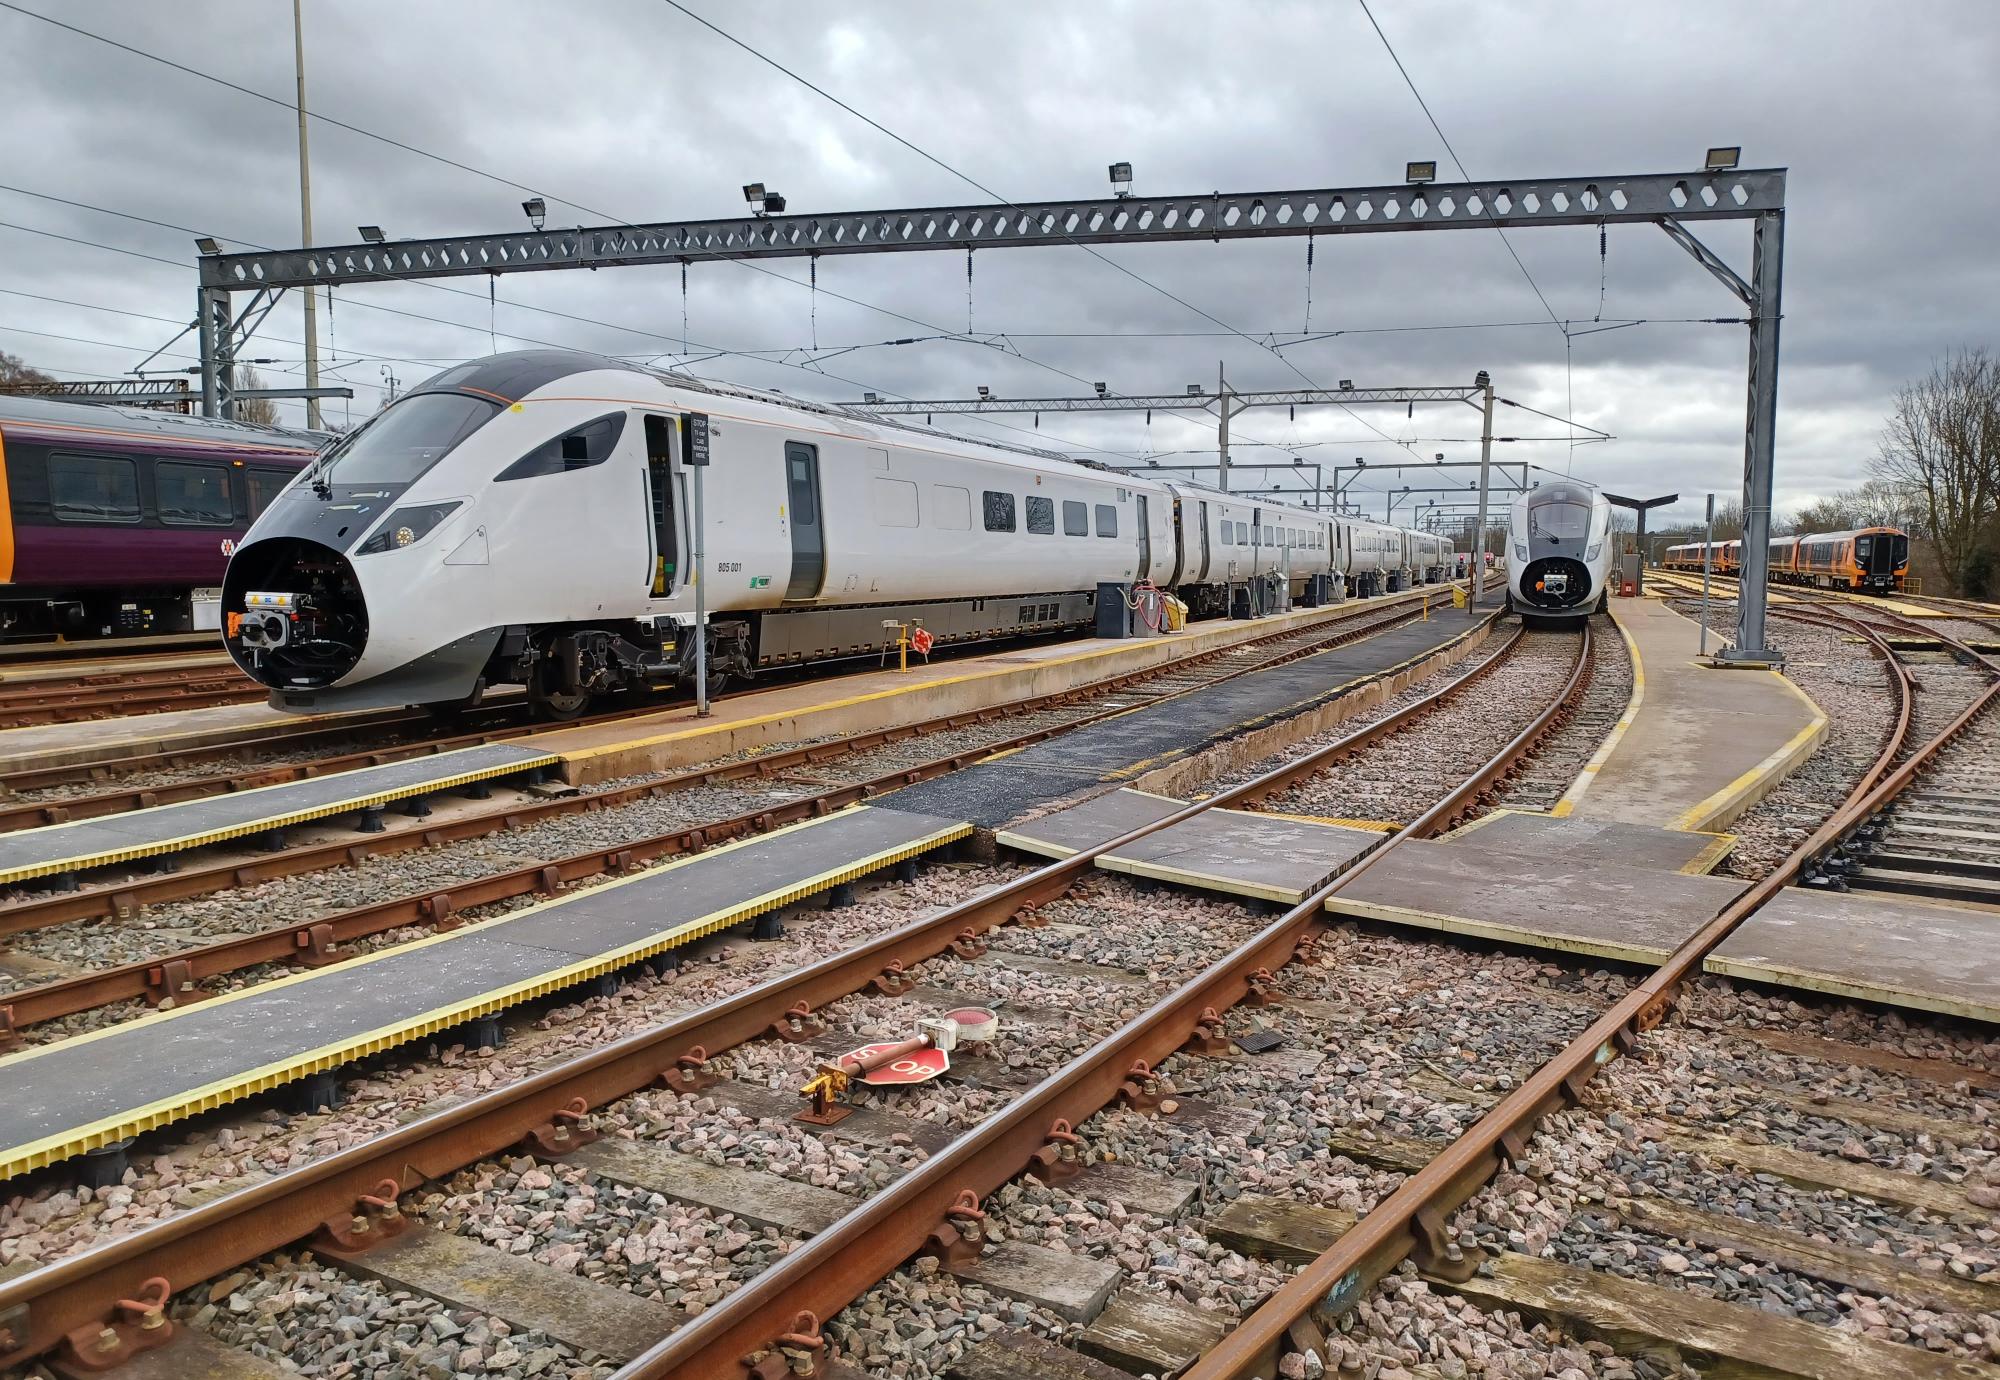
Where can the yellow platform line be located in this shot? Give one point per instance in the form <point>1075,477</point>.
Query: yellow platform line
<point>1753,785</point>
<point>178,1106</point>
<point>283,820</point>
<point>1588,776</point>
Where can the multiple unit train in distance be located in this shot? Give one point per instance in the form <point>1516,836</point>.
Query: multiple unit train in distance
<point>524,519</point>
<point>1868,559</point>
<point>120,521</point>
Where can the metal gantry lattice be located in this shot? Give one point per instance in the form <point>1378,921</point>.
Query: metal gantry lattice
<point>1670,200</point>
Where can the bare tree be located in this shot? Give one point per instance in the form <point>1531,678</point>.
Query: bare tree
<point>12,370</point>
<point>1834,514</point>
<point>1942,445</point>
<point>256,411</point>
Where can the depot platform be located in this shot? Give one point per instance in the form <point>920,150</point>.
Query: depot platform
<point>866,701</point>
<point>97,1089</point>
<point>87,843</point>
<point>1112,751</point>
<point>1697,745</point>
<point>1873,947</point>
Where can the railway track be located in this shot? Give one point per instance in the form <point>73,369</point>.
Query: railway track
<point>358,1191</point>
<point>108,694</point>
<point>721,801</point>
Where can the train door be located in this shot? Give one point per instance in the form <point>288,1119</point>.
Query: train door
<point>1145,540</point>
<point>808,541</point>
<point>659,482</point>
<point>1180,543</point>
<point>1202,574</point>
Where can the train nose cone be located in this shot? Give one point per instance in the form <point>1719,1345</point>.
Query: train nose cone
<point>296,614</point>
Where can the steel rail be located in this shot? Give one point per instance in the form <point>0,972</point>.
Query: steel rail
<point>27,654</point>
<point>1410,1221</point>
<point>173,976</point>
<point>839,1264</point>
<point>39,1308</point>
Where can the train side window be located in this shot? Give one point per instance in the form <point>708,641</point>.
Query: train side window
<point>1042,516</point>
<point>589,444</point>
<point>265,486</point>
<point>94,488</point>
<point>192,495</point>
<point>951,508</point>
<point>999,511</point>
<point>1107,520</point>
<point>1076,518</point>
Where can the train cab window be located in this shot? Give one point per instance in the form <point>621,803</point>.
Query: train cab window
<point>1107,520</point>
<point>94,488</point>
<point>193,495</point>
<point>589,444</point>
<point>1042,516</point>
<point>999,511</point>
<point>264,488</point>
<point>1076,518</point>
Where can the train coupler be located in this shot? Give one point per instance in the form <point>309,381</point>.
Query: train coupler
<point>136,1326</point>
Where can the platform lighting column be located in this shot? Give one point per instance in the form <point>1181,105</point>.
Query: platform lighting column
<point>1483,380</point>
<point>1222,427</point>
<point>313,420</point>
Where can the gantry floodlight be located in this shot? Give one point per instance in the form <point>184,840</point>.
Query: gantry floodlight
<point>1194,390</point>
<point>1481,379</point>
<point>537,211</point>
<point>1121,179</point>
<point>1440,457</point>
<point>774,202</point>
<point>1722,160</point>
<point>372,233</point>
<point>207,245</point>
<point>1420,172</point>
<point>870,397</point>
<point>753,192</point>
<point>1347,385</point>
<point>985,393</point>
<point>1100,389</point>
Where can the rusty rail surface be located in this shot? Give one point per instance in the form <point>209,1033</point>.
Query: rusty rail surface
<point>173,976</point>
<point>1411,1222</point>
<point>38,1310</point>
<point>841,1263</point>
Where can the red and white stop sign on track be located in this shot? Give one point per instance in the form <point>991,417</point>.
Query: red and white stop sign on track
<point>918,1066</point>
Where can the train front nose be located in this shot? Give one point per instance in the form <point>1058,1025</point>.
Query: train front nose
<point>295,616</point>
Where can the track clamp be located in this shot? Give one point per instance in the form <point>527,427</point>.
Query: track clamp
<point>1142,1089</point>
<point>137,1325</point>
<point>125,905</point>
<point>690,1073</point>
<point>376,1218</point>
<point>797,1025</point>
<point>968,944</point>
<point>549,881</point>
<point>1437,1252</point>
<point>1261,984</point>
<point>1030,918</point>
<point>1207,1039</point>
<point>892,981</point>
<point>620,862</point>
<point>172,984</point>
<point>1657,1010</point>
<point>961,1237</point>
<point>315,946</point>
<point>9,1035</point>
<point>562,1132</point>
<point>1057,1160</point>
<point>796,1355</point>
<point>442,912</point>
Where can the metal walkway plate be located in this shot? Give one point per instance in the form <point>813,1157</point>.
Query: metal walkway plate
<point>1597,840</point>
<point>63,1099</point>
<point>1873,948</point>
<point>190,824</point>
<point>1544,900</point>
<point>1271,857</point>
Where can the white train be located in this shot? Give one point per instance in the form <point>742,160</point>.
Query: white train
<point>1559,536</point>
<point>524,519</point>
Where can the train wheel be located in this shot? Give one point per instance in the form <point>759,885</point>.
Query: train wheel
<point>551,704</point>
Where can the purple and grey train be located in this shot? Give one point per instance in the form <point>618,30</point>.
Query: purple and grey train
<point>119,521</point>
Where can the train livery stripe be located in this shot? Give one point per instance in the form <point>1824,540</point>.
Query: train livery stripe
<point>6,519</point>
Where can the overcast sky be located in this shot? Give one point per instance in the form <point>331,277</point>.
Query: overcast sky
<point>1886,114</point>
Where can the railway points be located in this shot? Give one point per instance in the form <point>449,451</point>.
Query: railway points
<point>64,1099</point>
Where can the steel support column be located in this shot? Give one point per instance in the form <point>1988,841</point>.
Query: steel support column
<point>1485,489</point>
<point>218,352</point>
<point>1766,280</point>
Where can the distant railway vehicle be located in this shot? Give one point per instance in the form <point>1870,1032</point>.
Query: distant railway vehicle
<point>120,521</point>
<point>523,519</point>
<point>1869,559</point>
<point>1559,538</point>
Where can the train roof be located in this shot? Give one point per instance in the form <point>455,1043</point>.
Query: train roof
<point>1843,536</point>
<point>53,416</point>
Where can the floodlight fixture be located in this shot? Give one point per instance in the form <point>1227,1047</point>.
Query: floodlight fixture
<point>1347,385</point>
<point>207,245</point>
<point>537,211</point>
<point>871,398</point>
<point>1420,173</point>
<point>985,393</point>
<point>1440,457</point>
<point>753,192</point>
<point>1482,379</point>
<point>774,202</point>
<point>1121,179</point>
<point>372,233</point>
<point>1100,389</point>
<point>1723,159</point>
<point>1194,390</point>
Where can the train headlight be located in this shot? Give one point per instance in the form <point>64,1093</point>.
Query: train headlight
<point>408,526</point>
<point>1520,551</point>
<point>1591,554</point>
